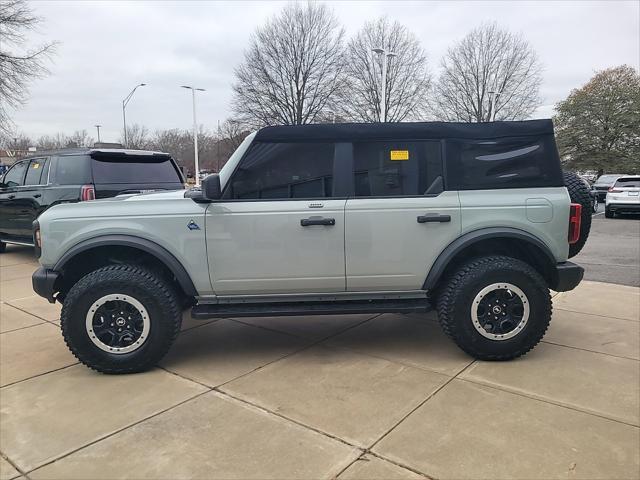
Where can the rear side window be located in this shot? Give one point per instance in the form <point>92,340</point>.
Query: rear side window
<point>15,175</point>
<point>134,169</point>
<point>631,182</point>
<point>503,163</point>
<point>72,170</point>
<point>38,172</point>
<point>387,169</point>
<point>283,171</point>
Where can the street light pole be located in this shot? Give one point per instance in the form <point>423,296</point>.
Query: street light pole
<point>98,128</point>
<point>386,55</point>
<point>124,114</point>
<point>195,131</point>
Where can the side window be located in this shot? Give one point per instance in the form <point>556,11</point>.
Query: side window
<point>15,175</point>
<point>37,172</point>
<point>502,163</point>
<point>387,169</point>
<point>284,170</point>
<point>73,170</point>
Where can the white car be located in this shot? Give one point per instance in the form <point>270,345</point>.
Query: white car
<point>623,196</point>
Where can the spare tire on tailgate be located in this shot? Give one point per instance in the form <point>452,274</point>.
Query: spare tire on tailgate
<point>579,193</point>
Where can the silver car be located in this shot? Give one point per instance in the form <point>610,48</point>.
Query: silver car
<point>623,196</point>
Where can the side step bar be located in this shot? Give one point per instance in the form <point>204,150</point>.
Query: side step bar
<point>204,311</point>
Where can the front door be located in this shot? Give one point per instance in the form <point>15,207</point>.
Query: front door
<point>280,225</point>
<point>400,218</point>
<point>10,217</point>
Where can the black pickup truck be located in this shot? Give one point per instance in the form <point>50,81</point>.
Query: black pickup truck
<point>45,179</point>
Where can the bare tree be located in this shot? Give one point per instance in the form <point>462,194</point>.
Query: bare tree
<point>80,138</point>
<point>491,74</point>
<point>18,67</point>
<point>408,79</point>
<point>137,137</point>
<point>292,68</point>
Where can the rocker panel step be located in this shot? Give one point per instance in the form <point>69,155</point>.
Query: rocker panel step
<point>204,311</point>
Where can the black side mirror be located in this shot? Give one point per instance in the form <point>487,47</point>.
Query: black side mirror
<point>211,187</point>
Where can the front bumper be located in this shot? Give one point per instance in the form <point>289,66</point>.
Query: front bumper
<point>43,281</point>
<point>568,276</point>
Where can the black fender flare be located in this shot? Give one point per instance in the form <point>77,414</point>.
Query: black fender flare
<point>468,239</point>
<point>152,248</point>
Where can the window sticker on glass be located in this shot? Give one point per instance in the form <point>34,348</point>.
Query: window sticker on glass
<point>399,155</point>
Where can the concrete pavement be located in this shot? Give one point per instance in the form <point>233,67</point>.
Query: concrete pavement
<point>348,397</point>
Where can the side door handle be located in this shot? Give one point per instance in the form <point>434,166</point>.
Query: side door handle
<point>306,222</point>
<point>37,195</point>
<point>434,218</point>
<point>11,197</point>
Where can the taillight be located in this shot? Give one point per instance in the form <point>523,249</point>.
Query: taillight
<point>87,192</point>
<point>575,219</point>
<point>614,190</point>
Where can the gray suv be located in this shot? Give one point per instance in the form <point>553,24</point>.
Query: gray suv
<point>474,220</point>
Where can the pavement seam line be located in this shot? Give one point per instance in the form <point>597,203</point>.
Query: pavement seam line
<point>115,432</point>
<point>284,417</point>
<point>305,347</point>
<point>550,402</point>
<point>590,351</point>
<point>429,397</point>
<point>23,328</point>
<point>17,469</point>
<point>595,314</point>
<point>29,313</point>
<point>39,375</point>
<point>239,320</point>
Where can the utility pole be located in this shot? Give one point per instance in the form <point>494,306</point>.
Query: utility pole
<point>195,130</point>
<point>386,55</point>
<point>98,128</point>
<point>124,114</point>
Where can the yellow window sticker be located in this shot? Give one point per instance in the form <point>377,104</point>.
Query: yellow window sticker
<point>399,154</point>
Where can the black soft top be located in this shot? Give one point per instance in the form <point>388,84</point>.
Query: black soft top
<point>405,131</point>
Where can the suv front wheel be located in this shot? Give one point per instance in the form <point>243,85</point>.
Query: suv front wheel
<point>120,319</point>
<point>495,307</point>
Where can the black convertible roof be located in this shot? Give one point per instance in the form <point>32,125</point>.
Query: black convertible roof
<point>409,130</point>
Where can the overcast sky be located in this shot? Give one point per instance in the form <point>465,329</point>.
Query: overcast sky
<point>107,47</point>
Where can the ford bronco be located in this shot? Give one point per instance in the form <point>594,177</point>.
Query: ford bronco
<point>474,220</point>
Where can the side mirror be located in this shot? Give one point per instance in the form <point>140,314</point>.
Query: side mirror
<point>211,189</point>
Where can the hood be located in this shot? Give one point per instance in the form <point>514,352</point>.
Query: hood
<point>144,204</point>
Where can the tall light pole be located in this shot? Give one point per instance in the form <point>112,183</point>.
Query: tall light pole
<point>98,128</point>
<point>386,55</point>
<point>195,130</point>
<point>124,115</point>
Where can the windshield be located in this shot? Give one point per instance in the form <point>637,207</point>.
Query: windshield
<point>607,178</point>
<point>229,167</point>
<point>630,182</point>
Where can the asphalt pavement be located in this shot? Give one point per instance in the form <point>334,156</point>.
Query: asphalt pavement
<point>612,252</point>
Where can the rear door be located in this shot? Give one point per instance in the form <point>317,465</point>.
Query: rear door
<point>399,218</point>
<point>116,173</point>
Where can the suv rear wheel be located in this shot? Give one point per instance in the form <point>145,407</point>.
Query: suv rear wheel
<point>495,308</point>
<point>120,319</point>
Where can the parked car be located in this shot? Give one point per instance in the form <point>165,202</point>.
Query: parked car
<point>604,183</point>
<point>473,220</point>
<point>623,196</point>
<point>36,183</point>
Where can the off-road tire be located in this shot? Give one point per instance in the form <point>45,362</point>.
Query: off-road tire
<point>156,295</point>
<point>579,193</point>
<point>455,297</point>
<point>3,247</point>
<point>608,213</point>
